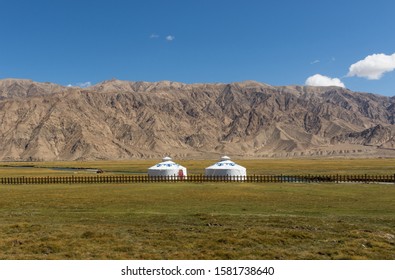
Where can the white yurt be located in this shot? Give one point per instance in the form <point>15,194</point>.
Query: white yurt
<point>226,167</point>
<point>167,168</point>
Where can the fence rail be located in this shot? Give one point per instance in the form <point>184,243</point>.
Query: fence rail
<point>104,179</point>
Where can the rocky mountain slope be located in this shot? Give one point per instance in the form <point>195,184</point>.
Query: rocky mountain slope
<point>122,120</point>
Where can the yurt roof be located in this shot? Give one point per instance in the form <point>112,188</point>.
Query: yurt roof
<point>166,164</point>
<point>225,163</point>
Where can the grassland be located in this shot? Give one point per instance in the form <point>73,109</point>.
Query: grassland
<point>201,221</point>
<point>254,166</point>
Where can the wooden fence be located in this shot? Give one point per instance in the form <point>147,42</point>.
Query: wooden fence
<point>104,179</point>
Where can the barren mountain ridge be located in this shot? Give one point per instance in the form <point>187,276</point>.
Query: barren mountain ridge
<point>125,120</point>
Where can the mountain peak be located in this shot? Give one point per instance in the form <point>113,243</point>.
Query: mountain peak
<point>11,88</point>
<point>149,119</point>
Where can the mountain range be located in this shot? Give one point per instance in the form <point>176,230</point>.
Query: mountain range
<point>124,120</point>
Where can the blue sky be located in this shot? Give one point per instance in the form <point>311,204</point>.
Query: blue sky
<point>279,42</point>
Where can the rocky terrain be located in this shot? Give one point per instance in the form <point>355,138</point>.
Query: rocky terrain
<point>124,120</point>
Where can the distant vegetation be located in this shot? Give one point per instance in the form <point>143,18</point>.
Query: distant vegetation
<point>261,166</point>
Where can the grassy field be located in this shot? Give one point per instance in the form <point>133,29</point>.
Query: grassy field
<point>254,166</point>
<point>200,221</point>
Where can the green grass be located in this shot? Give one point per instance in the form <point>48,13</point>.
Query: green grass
<point>255,166</point>
<point>198,221</point>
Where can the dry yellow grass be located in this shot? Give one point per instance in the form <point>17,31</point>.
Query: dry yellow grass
<point>254,166</point>
<point>197,221</point>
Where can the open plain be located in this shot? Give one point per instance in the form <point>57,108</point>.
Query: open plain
<point>199,221</point>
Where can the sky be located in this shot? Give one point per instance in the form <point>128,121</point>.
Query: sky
<point>281,42</point>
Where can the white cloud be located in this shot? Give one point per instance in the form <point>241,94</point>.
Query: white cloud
<point>170,38</point>
<point>81,85</point>
<point>324,81</point>
<point>154,36</point>
<point>84,85</point>
<point>315,61</point>
<point>373,66</point>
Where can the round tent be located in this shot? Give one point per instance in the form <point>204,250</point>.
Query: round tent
<point>226,167</point>
<point>167,168</point>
